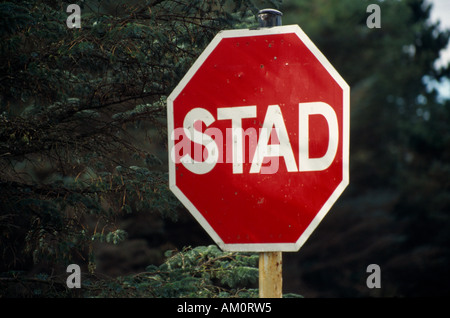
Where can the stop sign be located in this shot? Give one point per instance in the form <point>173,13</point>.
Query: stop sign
<point>259,139</point>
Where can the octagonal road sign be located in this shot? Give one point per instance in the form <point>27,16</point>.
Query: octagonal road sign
<point>259,139</point>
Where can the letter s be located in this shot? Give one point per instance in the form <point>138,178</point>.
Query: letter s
<point>200,167</point>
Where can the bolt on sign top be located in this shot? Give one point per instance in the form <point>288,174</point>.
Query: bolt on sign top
<point>259,139</point>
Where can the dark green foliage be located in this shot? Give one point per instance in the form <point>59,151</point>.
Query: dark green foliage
<point>83,146</point>
<point>82,118</point>
<point>204,271</point>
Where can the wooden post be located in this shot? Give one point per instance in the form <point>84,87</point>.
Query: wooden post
<point>270,275</point>
<point>270,263</point>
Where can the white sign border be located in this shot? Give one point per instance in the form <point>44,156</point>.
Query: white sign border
<point>263,247</point>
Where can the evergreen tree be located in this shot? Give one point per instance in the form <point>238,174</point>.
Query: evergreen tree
<point>82,117</point>
<point>396,210</point>
<point>83,137</point>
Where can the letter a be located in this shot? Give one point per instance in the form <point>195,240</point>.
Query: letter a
<point>273,119</point>
<point>73,20</point>
<point>373,281</point>
<point>374,20</point>
<point>74,279</point>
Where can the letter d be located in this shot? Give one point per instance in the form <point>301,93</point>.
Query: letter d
<point>317,108</point>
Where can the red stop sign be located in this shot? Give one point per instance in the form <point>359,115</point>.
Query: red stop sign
<point>259,139</point>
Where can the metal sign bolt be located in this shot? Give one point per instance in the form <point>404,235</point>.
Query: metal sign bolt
<point>269,18</point>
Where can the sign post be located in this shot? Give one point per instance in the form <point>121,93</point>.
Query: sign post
<point>270,263</point>
<point>258,136</point>
<point>270,275</point>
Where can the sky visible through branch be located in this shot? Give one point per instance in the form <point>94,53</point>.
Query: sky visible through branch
<point>441,11</point>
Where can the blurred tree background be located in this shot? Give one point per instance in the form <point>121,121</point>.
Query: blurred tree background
<point>83,151</point>
<point>396,211</point>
